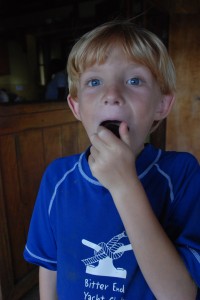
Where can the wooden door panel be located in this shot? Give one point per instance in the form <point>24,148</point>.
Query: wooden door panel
<point>70,139</point>
<point>52,143</point>
<point>183,122</point>
<point>31,136</point>
<point>83,140</point>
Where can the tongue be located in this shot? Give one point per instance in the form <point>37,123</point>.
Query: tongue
<point>112,125</point>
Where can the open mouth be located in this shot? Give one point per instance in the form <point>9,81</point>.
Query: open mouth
<point>112,125</point>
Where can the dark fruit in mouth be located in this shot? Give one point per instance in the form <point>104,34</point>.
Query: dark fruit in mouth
<point>112,125</point>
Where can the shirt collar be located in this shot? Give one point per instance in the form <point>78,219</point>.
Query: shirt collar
<point>144,162</point>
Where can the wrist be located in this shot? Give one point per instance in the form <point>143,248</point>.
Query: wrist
<point>128,185</point>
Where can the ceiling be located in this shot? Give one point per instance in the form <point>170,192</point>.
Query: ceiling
<point>178,6</point>
<point>11,7</point>
<point>44,16</point>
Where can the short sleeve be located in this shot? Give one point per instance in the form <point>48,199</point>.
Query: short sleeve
<point>185,216</point>
<point>41,243</point>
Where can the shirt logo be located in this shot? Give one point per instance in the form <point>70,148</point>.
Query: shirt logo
<point>102,262</point>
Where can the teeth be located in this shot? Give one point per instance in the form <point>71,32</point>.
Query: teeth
<point>112,125</point>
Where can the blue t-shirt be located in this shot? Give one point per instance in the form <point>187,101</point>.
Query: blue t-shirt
<point>76,229</point>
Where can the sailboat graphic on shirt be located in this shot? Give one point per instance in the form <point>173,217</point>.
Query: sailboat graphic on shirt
<point>101,263</point>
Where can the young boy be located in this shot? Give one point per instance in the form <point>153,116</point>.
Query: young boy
<point>119,221</point>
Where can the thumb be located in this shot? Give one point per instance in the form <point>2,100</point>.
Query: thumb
<point>124,133</point>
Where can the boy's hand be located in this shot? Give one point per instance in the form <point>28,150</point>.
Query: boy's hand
<point>111,159</point>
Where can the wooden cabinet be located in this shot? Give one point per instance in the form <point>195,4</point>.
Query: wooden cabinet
<point>31,135</point>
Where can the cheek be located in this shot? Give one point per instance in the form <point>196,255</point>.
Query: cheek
<point>88,119</point>
<point>86,114</point>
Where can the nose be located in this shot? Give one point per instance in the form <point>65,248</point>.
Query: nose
<point>113,96</point>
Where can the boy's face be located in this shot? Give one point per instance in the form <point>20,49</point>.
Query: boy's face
<point>122,90</point>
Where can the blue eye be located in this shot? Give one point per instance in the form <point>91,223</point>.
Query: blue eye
<point>134,81</point>
<point>94,82</point>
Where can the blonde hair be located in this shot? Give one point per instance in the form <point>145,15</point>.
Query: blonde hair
<point>138,44</point>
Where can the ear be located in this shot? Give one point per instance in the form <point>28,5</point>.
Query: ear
<point>74,106</point>
<point>164,107</point>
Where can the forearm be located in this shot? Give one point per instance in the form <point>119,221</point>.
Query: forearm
<point>47,284</point>
<point>112,162</point>
<point>157,257</point>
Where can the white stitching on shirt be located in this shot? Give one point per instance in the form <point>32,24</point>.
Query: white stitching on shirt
<point>57,186</point>
<point>95,182</point>
<point>151,165</point>
<point>195,253</point>
<point>40,258</point>
<point>154,163</point>
<point>169,181</point>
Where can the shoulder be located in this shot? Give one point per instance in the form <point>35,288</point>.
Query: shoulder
<point>179,168</point>
<point>183,171</point>
<point>58,172</point>
<point>63,162</point>
<point>61,167</point>
<point>179,161</point>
